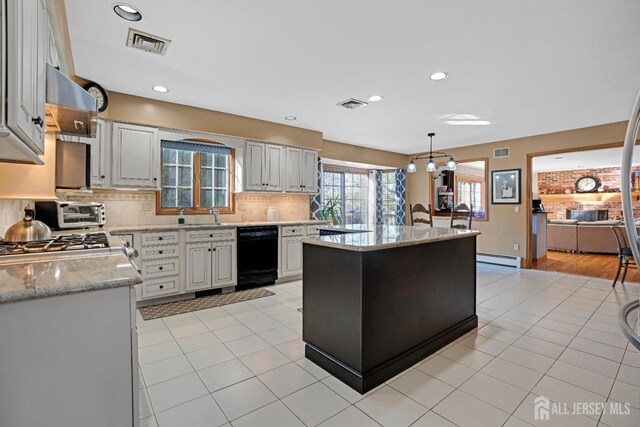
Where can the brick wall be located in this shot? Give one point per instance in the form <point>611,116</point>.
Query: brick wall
<point>558,182</point>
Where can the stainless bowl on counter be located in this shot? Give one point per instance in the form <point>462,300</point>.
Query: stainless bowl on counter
<point>28,229</point>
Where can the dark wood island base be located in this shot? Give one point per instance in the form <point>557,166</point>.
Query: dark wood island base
<point>369,314</point>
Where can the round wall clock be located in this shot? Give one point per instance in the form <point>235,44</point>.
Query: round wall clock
<point>99,94</point>
<point>587,184</point>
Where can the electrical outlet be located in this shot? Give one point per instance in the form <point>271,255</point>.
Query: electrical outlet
<point>516,209</point>
<point>516,247</point>
<point>146,205</point>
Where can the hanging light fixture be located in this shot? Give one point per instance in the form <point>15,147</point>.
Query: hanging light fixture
<point>431,164</point>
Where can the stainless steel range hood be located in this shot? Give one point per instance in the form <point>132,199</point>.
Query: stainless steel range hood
<point>71,110</point>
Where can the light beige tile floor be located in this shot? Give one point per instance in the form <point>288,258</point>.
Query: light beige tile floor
<point>540,333</point>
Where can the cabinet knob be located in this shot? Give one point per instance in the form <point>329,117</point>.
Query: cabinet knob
<point>209,249</point>
<point>161,286</point>
<point>210,235</point>
<point>160,252</point>
<point>102,177</point>
<point>159,238</point>
<point>214,249</point>
<point>38,121</point>
<point>155,179</point>
<point>160,268</point>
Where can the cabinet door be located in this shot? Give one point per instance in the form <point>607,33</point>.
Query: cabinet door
<point>198,266</point>
<point>272,170</point>
<point>309,171</point>
<point>294,169</point>
<point>291,256</point>
<point>99,156</point>
<point>223,261</point>
<point>22,70</point>
<point>135,156</point>
<point>254,160</point>
<point>41,75</point>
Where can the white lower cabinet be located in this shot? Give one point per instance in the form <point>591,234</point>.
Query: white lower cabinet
<point>223,256</point>
<point>291,256</point>
<point>198,266</point>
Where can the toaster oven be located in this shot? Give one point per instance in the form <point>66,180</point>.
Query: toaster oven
<point>60,215</point>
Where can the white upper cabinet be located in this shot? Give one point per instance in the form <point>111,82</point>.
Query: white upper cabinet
<point>302,166</point>
<point>271,167</point>
<point>263,165</point>
<point>294,169</point>
<point>136,156</point>
<point>27,50</point>
<point>309,171</point>
<point>100,155</point>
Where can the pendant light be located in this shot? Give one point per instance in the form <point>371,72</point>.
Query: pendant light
<point>431,164</point>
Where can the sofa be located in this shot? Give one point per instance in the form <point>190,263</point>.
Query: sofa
<point>582,236</point>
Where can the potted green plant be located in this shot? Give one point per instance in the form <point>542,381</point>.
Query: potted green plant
<point>331,211</point>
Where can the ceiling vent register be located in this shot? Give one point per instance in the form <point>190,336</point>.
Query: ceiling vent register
<point>352,104</point>
<point>147,42</point>
<point>499,153</point>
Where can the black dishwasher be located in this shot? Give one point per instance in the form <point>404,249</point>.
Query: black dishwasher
<point>257,255</point>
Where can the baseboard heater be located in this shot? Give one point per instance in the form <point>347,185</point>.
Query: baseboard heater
<point>508,261</point>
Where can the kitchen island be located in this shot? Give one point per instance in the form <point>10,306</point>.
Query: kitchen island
<point>375,303</point>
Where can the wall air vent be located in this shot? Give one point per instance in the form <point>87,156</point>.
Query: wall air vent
<point>501,152</point>
<point>352,104</point>
<point>147,42</point>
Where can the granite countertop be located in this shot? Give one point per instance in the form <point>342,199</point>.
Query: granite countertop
<point>48,277</point>
<point>120,229</point>
<point>388,236</point>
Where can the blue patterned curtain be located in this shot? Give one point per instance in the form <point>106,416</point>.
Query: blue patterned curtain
<point>401,196</point>
<point>378,177</point>
<point>316,200</point>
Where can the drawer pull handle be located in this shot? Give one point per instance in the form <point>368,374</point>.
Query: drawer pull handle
<point>160,252</point>
<point>210,235</point>
<point>161,286</point>
<point>214,249</point>
<point>159,238</point>
<point>160,268</point>
<point>209,250</point>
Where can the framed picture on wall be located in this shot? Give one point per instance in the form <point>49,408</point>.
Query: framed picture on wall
<point>505,187</point>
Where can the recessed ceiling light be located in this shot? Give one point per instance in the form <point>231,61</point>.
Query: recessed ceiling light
<point>160,89</point>
<point>127,12</point>
<point>290,118</point>
<point>375,98</point>
<point>559,157</point>
<point>440,75</point>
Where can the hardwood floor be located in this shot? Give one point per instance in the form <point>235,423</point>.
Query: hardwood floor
<point>594,265</point>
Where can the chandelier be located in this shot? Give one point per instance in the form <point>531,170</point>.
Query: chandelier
<point>431,165</point>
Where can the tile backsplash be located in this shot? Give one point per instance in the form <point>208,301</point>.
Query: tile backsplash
<point>139,208</point>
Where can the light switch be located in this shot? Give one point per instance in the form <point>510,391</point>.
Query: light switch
<point>516,209</point>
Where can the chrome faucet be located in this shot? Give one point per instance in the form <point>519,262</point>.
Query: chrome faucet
<point>216,215</point>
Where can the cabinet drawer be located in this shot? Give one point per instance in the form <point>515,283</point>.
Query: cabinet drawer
<point>155,252</point>
<point>210,235</point>
<point>167,237</point>
<point>157,287</point>
<point>297,230</point>
<point>163,267</point>
<point>313,230</point>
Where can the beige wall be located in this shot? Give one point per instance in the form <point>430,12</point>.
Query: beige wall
<point>506,227</point>
<point>353,153</point>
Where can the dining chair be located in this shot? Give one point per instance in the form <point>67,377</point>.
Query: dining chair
<point>625,256</point>
<point>420,209</point>
<point>463,213</point>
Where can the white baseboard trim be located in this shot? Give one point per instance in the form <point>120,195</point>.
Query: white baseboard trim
<point>505,260</point>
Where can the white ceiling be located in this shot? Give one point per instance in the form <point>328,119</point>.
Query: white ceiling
<point>592,159</point>
<point>527,67</point>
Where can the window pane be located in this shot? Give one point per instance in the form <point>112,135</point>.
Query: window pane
<point>185,157</point>
<point>185,176</point>
<point>206,178</point>
<point>168,175</point>
<point>206,198</point>
<point>169,198</point>
<point>206,159</point>
<point>221,198</point>
<point>185,198</point>
<point>221,160</point>
<point>221,178</point>
<point>168,155</point>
